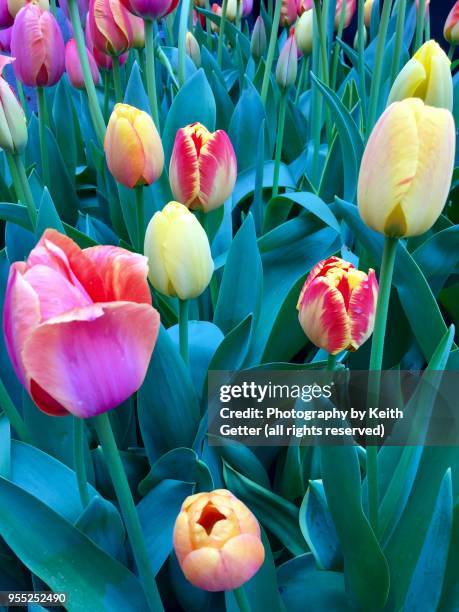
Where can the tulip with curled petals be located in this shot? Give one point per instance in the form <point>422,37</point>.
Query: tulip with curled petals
<point>427,75</point>
<point>13,124</point>
<point>38,46</point>
<point>178,252</point>
<point>203,167</point>
<point>150,9</point>
<point>111,28</point>
<point>133,148</point>
<point>217,541</point>
<point>73,65</point>
<point>10,8</point>
<point>337,305</point>
<point>79,325</point>
<point>406,169</point>
<point>451,29</point>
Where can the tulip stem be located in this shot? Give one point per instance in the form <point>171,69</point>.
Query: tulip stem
<point>117,79</point>
<point>420,15</point>
<point>378,64</point>
<point>128,509</point>
<point>221,33</point>
<point>242,600</point>
<point>22,98</point>
<point>302,78</point>
<point>361,61</point>
<point>42,126</point>
<point>452,49</point>
<point>25,188</point>
<point>331,362</point>
<point>94,108</point>
<point>183,25</point>
<point>399,31</point>
<point>337,46</point>
<point>183,329</point>
<point>376,360</point>
<point>150,69</point>
<point>279,142</point>
<point>271,50</point>
<point>79,464</point>
<point>106,95</point>
<point>13,415</point>
<point>140,218</point>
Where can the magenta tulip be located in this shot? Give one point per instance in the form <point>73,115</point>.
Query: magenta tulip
<point>79,325</point>
<point>5,40</point>
<point>73,65</point>
<point>150,9</point>
<point>38,46</point>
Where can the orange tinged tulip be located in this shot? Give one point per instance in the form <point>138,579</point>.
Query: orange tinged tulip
<point>217,541</point>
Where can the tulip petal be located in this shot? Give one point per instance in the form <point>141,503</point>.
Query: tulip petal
<point>440,85</point>
<point>53,43</point>
<point>27,45</point>
<point>126,166</point>
<point>124,274</point>
<point>90,362</point>
<point>362,309</point>
<point>152,147</point>
<point>182,541</point>
<point>409,82</point>
<point>217,170</point>
<point>184,169</point>
<point>323,317</point>
<point>21,315</point>
<point>156,231</point>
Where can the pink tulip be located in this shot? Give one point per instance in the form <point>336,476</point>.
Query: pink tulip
<point>337,305</point>
<point>349,12</point>
<point>289,12</point>
<point>79,325</point>
<point>111,28</point>
<point>38,46</point>
<point>304,5</point>
<point>150,9</point>
<point>103,60</point>
<point>73,65</point>
<point>451,30</point>
<point>203,167</point>
<point>5,40</point>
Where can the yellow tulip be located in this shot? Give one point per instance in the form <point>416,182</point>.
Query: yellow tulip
<point>303,32</point>
<point>427,76</point>
<point>406,169</point>
<point>178,253</point>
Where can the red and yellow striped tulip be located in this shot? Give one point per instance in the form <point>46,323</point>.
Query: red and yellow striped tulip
<point>427,75</point>
<point>217,541</point>
<point>406,169</point>
<point>133,147</point>
<point>203,167</point>
<point>451,30</point>
<point>337,305</point>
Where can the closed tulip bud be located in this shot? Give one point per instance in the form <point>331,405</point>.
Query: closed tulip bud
<point>103,61</point>
<point>13,125</point>
<point>356,39</point>
<point>217,10</point>
<point>133,147</point>
<point>427,76</point>
<point>138,31</point>
<point>38,46</point>
<point>367,10</point>
<point>111,27</point>
<point>10,8</point>
<point>79,325</point>
<point>406,169</point>
<point>217,541</point>
<point>150,9</point>
<point>203,168</point>
<point>451,30</point>
<point>178,251</point>
<point>287,64</point>
<point>258,42</point>
<point>73,66</point>
<point>348,6</point>
<point>5,40</point>
<point>289,12</point>
<point>337,305</point>
<point>193,50</point>
<point>303,32</point>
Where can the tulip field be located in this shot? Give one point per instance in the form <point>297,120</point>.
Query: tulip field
<point>258,190</point>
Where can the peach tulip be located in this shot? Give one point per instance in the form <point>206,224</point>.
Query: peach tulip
<point>203,167</point>
<point>111,28</point>
<point>337,305</point>
<point>73,65</point>
<point>38,46</point>
<point>451,30</point>
<point>133,147</point>
<point>217,541</point>
<point>406,169</point>
<point>427,75</point>
<point>79,325</point>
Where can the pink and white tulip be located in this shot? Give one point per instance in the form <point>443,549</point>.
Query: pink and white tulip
<point>38,46</point>
<point>337,305</point>
<point>73,65</point>
<point>79,325</point>
<point>203,167</point>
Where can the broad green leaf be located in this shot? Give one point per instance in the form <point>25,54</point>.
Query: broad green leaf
<point>47,216</point>
<point>233,348</point>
